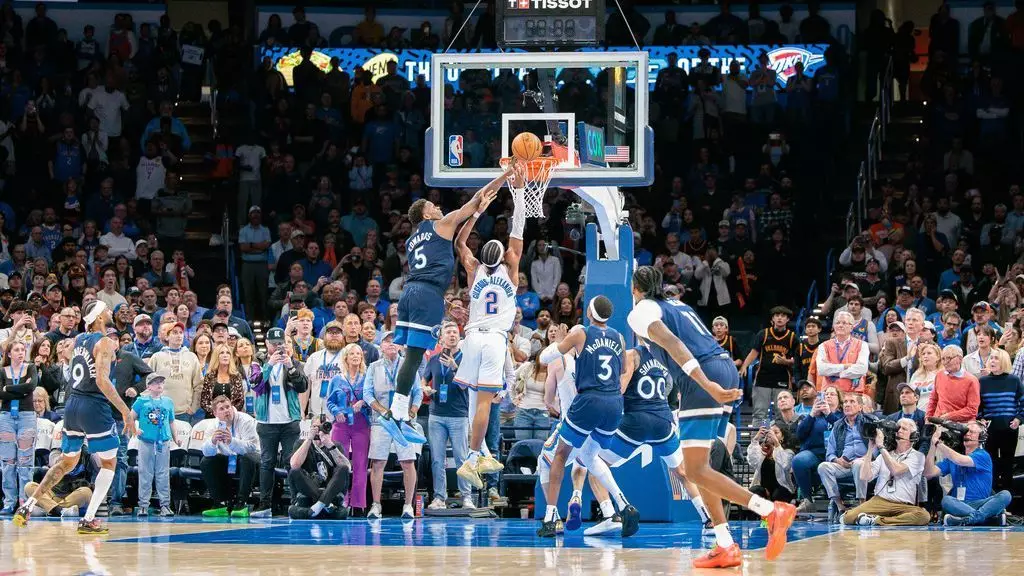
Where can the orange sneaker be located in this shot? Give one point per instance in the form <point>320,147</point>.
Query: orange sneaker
<point>719,557</point>
<point>779,522</point>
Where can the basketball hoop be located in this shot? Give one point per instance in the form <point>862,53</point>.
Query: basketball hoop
<point>529,180</point>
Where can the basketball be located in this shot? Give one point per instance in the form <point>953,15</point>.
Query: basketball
<point>526,146</point>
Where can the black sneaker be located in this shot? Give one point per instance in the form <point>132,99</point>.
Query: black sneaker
<point>551,529</point>
<point>333,512</point>
<point>296,512</point>
<point>630,521</point>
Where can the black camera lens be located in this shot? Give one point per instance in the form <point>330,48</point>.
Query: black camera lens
<point>326,426</point>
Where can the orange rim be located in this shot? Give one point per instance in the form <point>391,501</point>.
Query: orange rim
<point>537,169</point>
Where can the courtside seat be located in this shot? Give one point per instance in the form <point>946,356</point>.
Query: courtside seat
<point>133,455</point>
<point>520,474</point>
<point>179,455</point>
<point>194,453</point>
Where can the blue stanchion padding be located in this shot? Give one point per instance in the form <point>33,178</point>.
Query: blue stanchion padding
<point>646,483</point>
<point>611,278</point>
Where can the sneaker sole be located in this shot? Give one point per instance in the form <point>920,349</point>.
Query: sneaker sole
<point>603,529</point>
<point>394,431</point>
<point>575,519</point>
<point>471,477</point>
<point>777,534</point>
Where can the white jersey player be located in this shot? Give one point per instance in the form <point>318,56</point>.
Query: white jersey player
<point>492,311</point>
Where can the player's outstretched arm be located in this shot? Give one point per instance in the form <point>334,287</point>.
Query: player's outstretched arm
<point>563,344</point>
<point>445,227</point>
<point>660,335</point>
<point>466,257</point>
<point>103,353</point>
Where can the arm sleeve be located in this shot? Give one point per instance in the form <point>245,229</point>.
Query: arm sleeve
<point>645,313</point>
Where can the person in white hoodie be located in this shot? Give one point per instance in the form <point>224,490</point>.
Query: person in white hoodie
<point>184,383</point>
<point>770,456</point>
<point>234,447</point>
<point>712,271</point>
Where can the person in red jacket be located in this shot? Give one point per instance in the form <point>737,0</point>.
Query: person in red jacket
<point>957,393</point>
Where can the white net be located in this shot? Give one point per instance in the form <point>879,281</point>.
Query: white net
<point>528,183</point>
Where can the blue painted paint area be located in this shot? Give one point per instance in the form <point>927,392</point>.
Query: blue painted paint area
<point>458,532</point>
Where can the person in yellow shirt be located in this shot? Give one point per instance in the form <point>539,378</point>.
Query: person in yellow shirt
<point>369,32</point>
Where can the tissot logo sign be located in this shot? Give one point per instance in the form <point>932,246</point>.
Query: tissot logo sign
<point>548,4</point>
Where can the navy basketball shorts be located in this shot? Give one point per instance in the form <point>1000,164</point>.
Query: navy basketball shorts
<point>701,418</point>
<point>420,312</point>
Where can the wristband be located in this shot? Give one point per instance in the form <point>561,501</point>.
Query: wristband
<point>690,366</point>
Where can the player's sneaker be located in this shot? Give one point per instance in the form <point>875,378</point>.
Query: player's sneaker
<point>93,526</point>
<point>394,429</point>
<point>470,473</point>
<point>719,557</point>
<point>374,513</point>
<point>575,518</point>
<point>411,434</point>
<point>631,521</point>
<point>611,525</point>
<point>69,512</point>
<point>21,516</point>
<point>551,529</point>
<point>779,522</point>
<point>488,465</point>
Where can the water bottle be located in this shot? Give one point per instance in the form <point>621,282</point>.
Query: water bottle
<point>418,505</point>
<point>349,416</point>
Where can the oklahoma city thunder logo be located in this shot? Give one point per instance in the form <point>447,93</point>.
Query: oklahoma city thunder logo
<point>783,61</point>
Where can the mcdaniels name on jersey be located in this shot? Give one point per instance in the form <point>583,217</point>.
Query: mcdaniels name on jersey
<point>604,343</point>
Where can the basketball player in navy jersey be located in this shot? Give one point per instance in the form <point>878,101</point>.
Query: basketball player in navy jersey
<point>646,419</point>
<point>594,414</point>
<point>88,415</point>
<point>675,330</point>
<point>422,306</point>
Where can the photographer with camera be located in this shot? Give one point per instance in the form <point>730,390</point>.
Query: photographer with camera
<point>897,473</point>
<point>770,456</point>
<point>320,474</point>
<point>970,502</point>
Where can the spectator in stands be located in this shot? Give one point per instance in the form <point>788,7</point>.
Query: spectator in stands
<point>815,28</point>
<point>222,379</point>
<point>897,478</point>
<point>531,415</point>
<point>233,448</point>
<point>183,372</point>
<point>956,396</point>
<point>971,503</point>
<point>155,413</point>
<point>811,432</point>
<point>369,32</point>
<point>378,388</point>
<point>776,348</point>
<point>1002,406</point>
<point>843,360</point>
<point>922,381</point>
<point>318,474</point>
<point>254,240</point>
<point>18,381</point>
<point>278,412</point>
<point>345,404</point>
<point>910,398</point>
<point>898,360</point>
<point>449,416</point>
<point>987,36</point>
<point>976,363</point>
<point>770,456</point>
<point>844,451</point>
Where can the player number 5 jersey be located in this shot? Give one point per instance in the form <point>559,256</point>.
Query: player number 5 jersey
<point>492,304</point>
<point>431,258</point>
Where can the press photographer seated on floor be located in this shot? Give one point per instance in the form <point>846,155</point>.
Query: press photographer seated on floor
<point>897,473</point>
<point>970,502</point>
<point>319,476</point>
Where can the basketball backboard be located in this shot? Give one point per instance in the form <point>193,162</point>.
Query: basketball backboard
<point>587,101</point>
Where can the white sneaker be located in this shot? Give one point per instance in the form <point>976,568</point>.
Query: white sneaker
<point>467,503</point>
<point>866,520</point>
<point>407,512</point>
<point>69,512</point>
<point>374,513</point>
<point>216,240</point>
<point>606,526</point>
<point>805,507</point>
<point>437,504</point>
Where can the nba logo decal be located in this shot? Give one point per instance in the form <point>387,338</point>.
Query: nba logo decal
<point>455,150</point>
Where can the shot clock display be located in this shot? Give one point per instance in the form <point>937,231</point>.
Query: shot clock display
<point>549,23</point>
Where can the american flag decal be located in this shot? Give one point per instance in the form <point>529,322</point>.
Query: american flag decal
<point>616,153</point>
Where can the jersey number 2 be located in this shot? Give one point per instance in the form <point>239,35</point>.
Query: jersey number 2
<point>491,303</point>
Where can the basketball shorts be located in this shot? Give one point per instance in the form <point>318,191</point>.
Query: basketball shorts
<point>483,361</point>
<point>592,415</point>
<point>420,312</point>
<point>656,430</point>
<point>701,418</point>
<point>88,419</point>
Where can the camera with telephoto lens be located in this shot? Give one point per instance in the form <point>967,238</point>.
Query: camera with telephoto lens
<point>952,434</point>
<point>325,426</point>
<point>870,426</point>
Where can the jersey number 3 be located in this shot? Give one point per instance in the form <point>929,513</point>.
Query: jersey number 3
<point>606,367</point>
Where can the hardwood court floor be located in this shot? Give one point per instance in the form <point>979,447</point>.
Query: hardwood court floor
<point>441,547</point>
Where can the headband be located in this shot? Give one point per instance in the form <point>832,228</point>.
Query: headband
<point>594,314</point>
<point>93,314</point>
